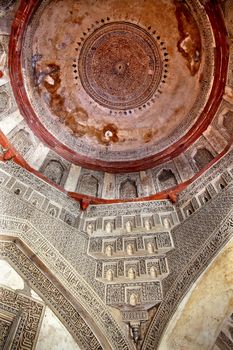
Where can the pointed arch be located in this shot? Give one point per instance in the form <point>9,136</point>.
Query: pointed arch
<point>167,179</point>
<point>89,185</point>
<point>202,157</point>
<point>128,189</point>
<point>54,171</point>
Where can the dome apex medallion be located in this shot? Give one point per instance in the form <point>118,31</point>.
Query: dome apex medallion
<point>120,66</point>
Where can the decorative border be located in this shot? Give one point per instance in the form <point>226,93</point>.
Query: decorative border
<point>199,105</point>
<point>148,41</point>
<point>215,97</point>
<point>30,318</point>
<point>89,302</point>
<point>174,291</point>
<point>182,284</point>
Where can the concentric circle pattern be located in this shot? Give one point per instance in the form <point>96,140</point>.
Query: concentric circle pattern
<point>122,87</point>
<point>120,66</point>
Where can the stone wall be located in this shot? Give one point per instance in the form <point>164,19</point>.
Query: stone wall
<point>49,331</point>
<point>91,257</point>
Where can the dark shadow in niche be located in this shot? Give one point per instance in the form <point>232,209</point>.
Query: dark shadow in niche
<point>22,142</point>
<point>54,171</point>
<point>128,189</point>
<point>89,185</point>
<point>167,179</point>
<point>202,157</point>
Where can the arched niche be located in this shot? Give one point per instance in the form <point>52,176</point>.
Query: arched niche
<point>88,184</point>
<point>22,142</point>
<point>167,179</point>
<point>202,157</point>
<point>4,99</point>
<point>128,189</point>
<point>68,310</point>
<point>54,171</point>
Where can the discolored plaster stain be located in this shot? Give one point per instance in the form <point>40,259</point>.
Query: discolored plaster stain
<point>201,77</point>
<point>178,110</point>
<point>74,19</point>
<point>48,79</point>
<point>52,80</point>
<point>77,128</point>
<point>49,84</point>
<point>79,19</point>
<point>148,136</point>
<point>75,109</point>
<point>189,44</point>
<point>110,133</point>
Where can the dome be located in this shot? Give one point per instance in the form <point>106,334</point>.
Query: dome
<point>118,88</point>
<point>128,92</point>
<point>116,174</point>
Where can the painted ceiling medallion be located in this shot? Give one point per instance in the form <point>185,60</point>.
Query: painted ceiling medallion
<point>120,66</point>
<point>115,86</point>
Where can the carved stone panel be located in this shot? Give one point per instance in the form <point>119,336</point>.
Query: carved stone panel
<point>20,319</point>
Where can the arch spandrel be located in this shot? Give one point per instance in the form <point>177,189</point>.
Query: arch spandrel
<point>116,104</point>
<point>71,310</point>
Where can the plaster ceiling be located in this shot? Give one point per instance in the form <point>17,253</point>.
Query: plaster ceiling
<point>28,199</point>
<point>116,85</point>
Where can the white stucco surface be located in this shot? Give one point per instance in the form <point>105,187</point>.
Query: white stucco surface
<point>38,156</point>
<point>53,335</point>
<point>198,320</point>
<point>72,178</point>
<point>10,122</point>
<point>9,277</point>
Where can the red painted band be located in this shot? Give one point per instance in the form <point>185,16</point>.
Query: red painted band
<point>221,63</point>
